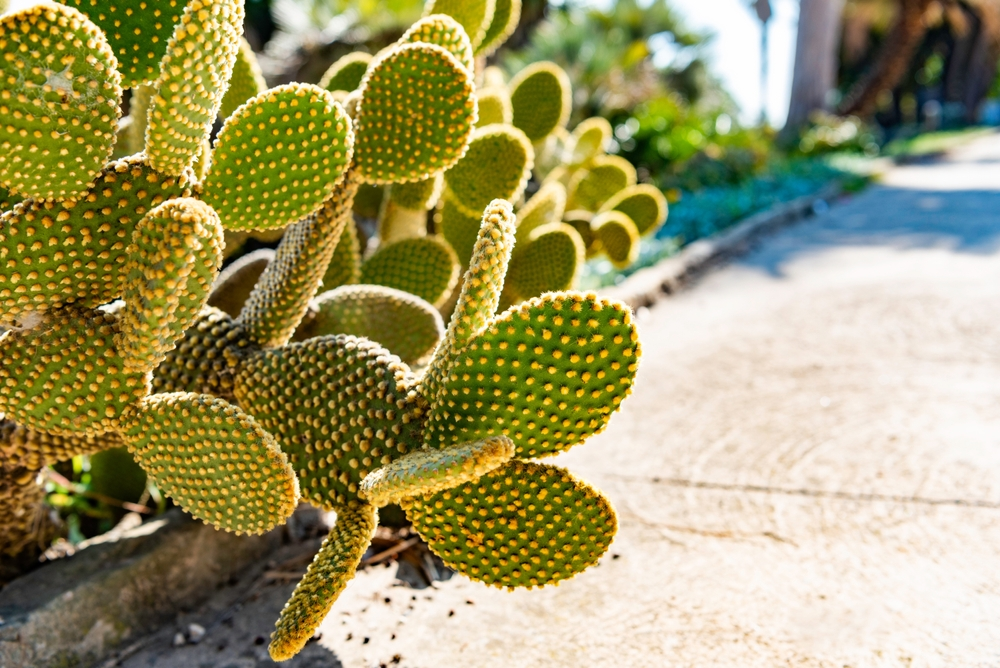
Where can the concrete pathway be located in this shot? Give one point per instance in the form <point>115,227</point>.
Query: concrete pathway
<point>808,473</point>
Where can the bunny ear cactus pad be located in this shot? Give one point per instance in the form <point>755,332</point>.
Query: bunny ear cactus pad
<point>644,204</point>
<point>403,323</point>
<point>541,95</point>
<point>247,81</point>
<point>444,31</point>
<point>332,568</point>
<point>506,16</point>
<point>138,31</point>
<point>339,406</point>
<point>523,525</point>
<point>475,16</point>
<point>423,266</point>
<point>417,111</point>
<point>278,158</point>
<point>606,176</point>
<point>346,74</point>
<point>590,140</point>
<point>236,282</point>
<point>548,374</point>
<point>194,77</point>
<point>618,237</point>
<point>59,100</point>
<point>548,260</point>
<point>460,229</point>
<point>494,106</point>
<point>345,265</point>
<point>214,460</point>
<point>547,206</point>
<point>496,166</point>
<point>66,376</point>
<point>57,253</point>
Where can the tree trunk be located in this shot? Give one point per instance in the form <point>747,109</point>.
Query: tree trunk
<point>815,70</point>
<point>892,61</point>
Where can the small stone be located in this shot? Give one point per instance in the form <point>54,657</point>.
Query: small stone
<point>195,633</point>
<point>179,640</point>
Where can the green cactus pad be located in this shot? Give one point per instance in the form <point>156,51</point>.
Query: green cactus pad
<point>8,200</point>
<point>138,112</point>
<point>423,266</point>
<point>548,374</point>
<point>524,525</point>
<point>459,229</point>
<point>138,31</point>
<point>246,83</point>
<point>549,259</point>
<point>205,359</point>
<point>332,568</point>
<point>281,297</point>
<point>278,158</point>
<point>494,106</point>
<point>236,282</point>
<point>546,206</point>
<point>644,204</point>
<point>506,16</point>
<point>542,98</point>
<point>475,16</point>
<point>53,254</point>
<point>177,243</point>
<point>345,266</point>
<point>589,140</point>
<point>194,76</point>
<point>426,472</point>
<point>496,166</point>
<point>346,74</point>
<point>404,209</point>
<point>403,323</point>
<point>416,114</point>
<point>56,448</point>
<point>214,460</point>
<point>580,221</point>
<point>618,237</point>
<point>59,100</point>
<point>65,376</point>
<point>480,293</point>
<point>339,406</point>
<point>368,202</point>
<point>607,175</point>
<point>444,31</point>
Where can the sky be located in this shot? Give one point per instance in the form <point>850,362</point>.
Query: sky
<point>734,54</point>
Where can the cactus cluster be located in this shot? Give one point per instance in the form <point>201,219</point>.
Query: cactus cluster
<point>320,371</point>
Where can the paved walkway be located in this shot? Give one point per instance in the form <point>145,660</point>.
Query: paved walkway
<point>807,475</point>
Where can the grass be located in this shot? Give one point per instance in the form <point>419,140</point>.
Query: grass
<point>933,143</point>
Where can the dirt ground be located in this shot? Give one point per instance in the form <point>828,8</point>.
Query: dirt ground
<point>808,473</point>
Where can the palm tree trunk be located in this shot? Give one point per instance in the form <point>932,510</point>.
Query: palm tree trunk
<point>815,60</point>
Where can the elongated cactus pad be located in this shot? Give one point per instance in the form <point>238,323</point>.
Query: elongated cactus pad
<point>214,460</point>
<point>475,16</point>
<point>607,175</point>
<point>416,114</point>
<point>644,204</point>
<point>247,81</point>
<point>236,282</point>
<point>423,266</point>
<point>404,209</point>
<point>524,525</point>
<point>58,253</point>
<point>59,97</point>
<point>65,376</point>
<point>618,237</point>
<point>546,206</point>
<point>403,323</point>
<point>339,406</point>
<point>580,221</point>
<point>547,260</point>
<point>444,31</point>
<point>332,568</point>
<point>590,139</point>
<point>281,297</point>
<point>278,158</point>
<point>194,76</point>
<point>506,16</point>
<point>497,166</point>
<point>459,229</point>
<point>138,112</point>
<point>346,74</point>
<point>548,374</point>
<point>138,31</point>
<point>541,95</point>
<point>426,472</point>
<point>179,243</point>
<point>345,265</point>
<point>205,360</point>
